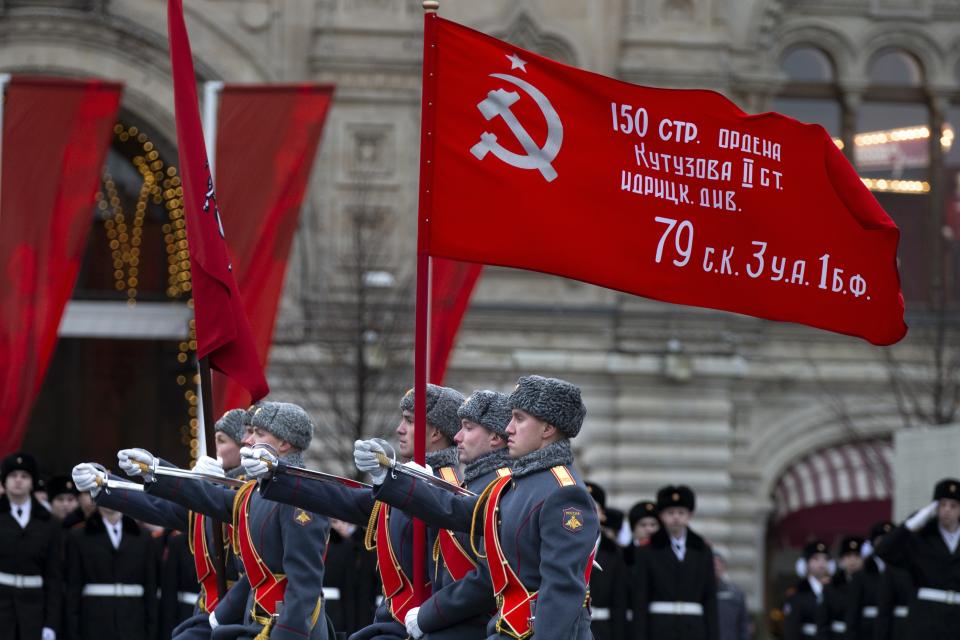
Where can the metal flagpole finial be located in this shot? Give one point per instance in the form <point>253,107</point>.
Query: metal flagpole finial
<point>431,6</point>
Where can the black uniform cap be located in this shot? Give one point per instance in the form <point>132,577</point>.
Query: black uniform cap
<point>597,493</point>
<point>880,529</point>
<point>614,518</point>
<point>18,462</point>
<point>814,547</point>
<point>641,510</point>
<point>676,496</point>
<point>850,544</point>
<point>60,485</point>
<point>947,488</point>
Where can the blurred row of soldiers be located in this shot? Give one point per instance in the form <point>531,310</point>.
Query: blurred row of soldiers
<point>517,544</point>
<point>898,583</point>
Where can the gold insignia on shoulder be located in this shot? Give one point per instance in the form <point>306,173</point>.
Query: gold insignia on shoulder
<point>572,519</point>
<point>302,517</point>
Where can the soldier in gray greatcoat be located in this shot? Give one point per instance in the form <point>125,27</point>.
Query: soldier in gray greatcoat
<point>359,506</point>
<point>541,528</point>
<point>281,547</point>
<point>460,607</point>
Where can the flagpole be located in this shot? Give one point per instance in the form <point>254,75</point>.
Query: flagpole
<point>421,343</point>
<point>4,80</point>
<point>211,104</point>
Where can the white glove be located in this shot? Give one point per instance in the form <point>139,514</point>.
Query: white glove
<point>254,465</point>
<point>209,466</point>
<point>85,477</point>
<point>425,468</point>
<point>213,620</point>
<point>410,622</point>
<point>922,517</point>
<point>48,634</point>
<point>365,457</point>
<point>128,460</point>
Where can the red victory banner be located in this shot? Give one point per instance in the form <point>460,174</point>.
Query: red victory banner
<point>55,136</point>
<point>267,139</point>
<point>675,195</point>
<point>223,330</point>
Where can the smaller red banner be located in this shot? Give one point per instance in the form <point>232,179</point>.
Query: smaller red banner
<point>267,139</point>
<point>223,330</point>
<point>56,134</point>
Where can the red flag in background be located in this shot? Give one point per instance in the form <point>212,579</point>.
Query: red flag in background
<point>55,136</point>
<point>451,285</point>
<point>223,331</point>
<point>676,195</point>
<point>267,138</point>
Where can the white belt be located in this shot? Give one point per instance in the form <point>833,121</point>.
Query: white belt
<point>331,593</point>
<point>901,612</point>
<point>938,595</point>
<point>870,612</point>
<point>838,626</point>
<point>186,597</point>
<point>599,613</point>
<point>113,590</point>
<point>677,608</point>
<point>809,629</point>
<point>20,582</point>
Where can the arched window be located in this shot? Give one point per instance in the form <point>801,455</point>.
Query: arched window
<point>811,93</point>
<point>892,154</point>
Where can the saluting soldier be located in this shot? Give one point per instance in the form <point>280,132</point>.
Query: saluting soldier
<point>864,589</point>
<point>111,579</point>
<point>802,609</point>
<point>926,546</point>
<point>608,588</point>
<point>31,584</point>
<point>462,600</point>
<point>675,589</point>
<point>833,613</point>
<point>540,526</point>
<point>281,547</point>
<point>389,531</point>
<point>197,528</point>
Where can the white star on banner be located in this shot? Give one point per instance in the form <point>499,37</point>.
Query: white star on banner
<point>516,62</point>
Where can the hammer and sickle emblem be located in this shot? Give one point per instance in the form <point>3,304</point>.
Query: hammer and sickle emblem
<point>498,103</point>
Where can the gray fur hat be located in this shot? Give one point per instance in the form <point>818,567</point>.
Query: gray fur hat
<point>489,409</point>
<point>552,400</point>
<point>442,405</point>
<point>231,423</point>
<point>285,420</point>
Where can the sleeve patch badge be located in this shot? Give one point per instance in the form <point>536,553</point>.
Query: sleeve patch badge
<point>302,517</point>
<point>572,519</point>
